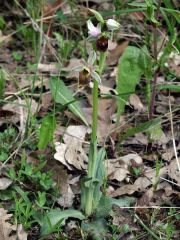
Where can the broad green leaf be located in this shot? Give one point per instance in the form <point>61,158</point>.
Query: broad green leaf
<point>140,128</point>
<point>64,96</point>
<point>48,126</point>
<point>106,203</point>
<point>56,216</point>
<point>128,75</point>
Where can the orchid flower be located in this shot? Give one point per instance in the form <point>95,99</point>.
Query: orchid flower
<point>87,70</point>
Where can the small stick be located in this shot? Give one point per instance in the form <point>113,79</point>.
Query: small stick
<point>173,139</point>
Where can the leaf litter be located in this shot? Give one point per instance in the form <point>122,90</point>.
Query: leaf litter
<point>71,149</point>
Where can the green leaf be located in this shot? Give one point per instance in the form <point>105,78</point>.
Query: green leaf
<point>172,87</point>
<point>2,22</point>
<point>106,203</point>
<point>17,56</point>
<point>128,75</point>
<point>123,201</point>
<point>2,83</point>
<point>140,128</point>
<point>48,126</point>
<point>155,133</point>
<point>97,15</point>
<point>56,216</point>
<point>64,96</point>
<point>90,186</point>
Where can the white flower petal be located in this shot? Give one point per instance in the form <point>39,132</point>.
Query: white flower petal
<point>90,25</point>
<point>91,58</point>
<point>96,76</point>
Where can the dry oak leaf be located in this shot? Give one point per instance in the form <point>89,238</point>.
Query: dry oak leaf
<point>71,153</point>
<point>135,101</point>
<point>174,172</point>
<point>5,227</point>
<point>141,183</point>
<point>117,169</point>
<point>5,183</point>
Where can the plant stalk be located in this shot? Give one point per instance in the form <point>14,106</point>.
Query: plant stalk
<point>93,146</point>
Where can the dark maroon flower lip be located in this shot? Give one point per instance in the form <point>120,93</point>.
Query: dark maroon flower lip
<point>102,44</point>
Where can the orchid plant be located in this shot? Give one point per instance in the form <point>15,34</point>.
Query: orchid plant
<point>91,193</point>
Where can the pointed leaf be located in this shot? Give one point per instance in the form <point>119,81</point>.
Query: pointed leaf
<point>63,95</point>
<point>57,217</point>
<point>48,126</point>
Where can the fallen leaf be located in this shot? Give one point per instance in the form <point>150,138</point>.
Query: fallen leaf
<point>22,235</point>
<point>106,109</point>
<point>60,154</point>
<point>71,153</point>
<point>66,199</point>
<point>117,169</point>
<point>135,101</point>
<point>114,55</point>
<point>5,183</point>
<point>21,108</point>
<point>141,183</point>
<point>5,227</point>
<point>74,62</point>
<point>174,172</point>
<point>51,68</point>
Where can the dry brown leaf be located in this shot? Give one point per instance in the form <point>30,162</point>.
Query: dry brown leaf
<point>174,172</point>
<point>71,153</point>
<point>114,55</point>
<point>126,189</point>
<point>5,183</point>
<point>22,235</point>
<point>106,109</point>
<point>141,183</point>
<point>74,62</point>
<point>51,68</point>
<point>106,90</point>
<point>146,198</point>
<point>5,227</point>
<point>5,39</point>
<point>117,169</point>
<point>111,45</point>
<point>135,101</point>
<point>20,108</point>
<point>129,158</point>
<point>66,199</point>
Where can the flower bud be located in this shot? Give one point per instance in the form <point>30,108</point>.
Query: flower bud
<point>112,24</point>
<point>102,44</point>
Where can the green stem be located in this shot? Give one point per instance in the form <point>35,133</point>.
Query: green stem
<point>102,60</point>
<point>95,111</point>
<point>93,147</point>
